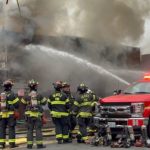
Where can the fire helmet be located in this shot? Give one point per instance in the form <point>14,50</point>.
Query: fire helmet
<point>57,85</point>
<point>32,84</point>
<point>8,84</point>
<point>66,87</point>
<point>65,84</point>
<point>82,88</point>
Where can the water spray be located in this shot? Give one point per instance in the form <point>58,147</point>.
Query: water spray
<point>96,68</point>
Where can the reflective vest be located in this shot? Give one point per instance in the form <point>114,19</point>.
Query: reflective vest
<point>11,103</point>
<point>83,105</point>
<point>58,104</point>
<point>34,109</point>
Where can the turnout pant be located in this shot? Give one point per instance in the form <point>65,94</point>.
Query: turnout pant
<point>34,123</point>
<point>61,128</point>
<point>72,121</point>
<point>72,124</point>
<point>10,123</point>
<point>92,126</point>
<point>83,124</point>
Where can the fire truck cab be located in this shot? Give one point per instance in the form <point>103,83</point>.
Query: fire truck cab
<point>127,114</point>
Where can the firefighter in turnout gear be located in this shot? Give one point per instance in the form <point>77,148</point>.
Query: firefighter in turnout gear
<point>9,102</point>
<point>34,114</point>
<point>72,117</point>
<point>95,108</point>
<point>58,104</point>
<point>83,107</point>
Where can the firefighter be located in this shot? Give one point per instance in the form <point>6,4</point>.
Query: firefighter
<point>58,104</point>
<point>8,104</point>
<point>72,117</point>
<point>83,106</point>
<point>33,114</point>
<point>92,128</point>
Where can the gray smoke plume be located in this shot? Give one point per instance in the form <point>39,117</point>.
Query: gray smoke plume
<point>107,22</point>
<point>99,20</point>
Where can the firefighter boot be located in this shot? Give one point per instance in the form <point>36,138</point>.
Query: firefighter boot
<point>65,141</point>
<point>59,141</point>
<point>29,146</point>
<point>41,146</point>
<point>79,139</point>
<point>2,146</point>
<point>13,145</point>
<point>87,141</point>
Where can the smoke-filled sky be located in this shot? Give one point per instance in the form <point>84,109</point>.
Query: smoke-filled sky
<point>105,21</point>
<point>108,22</point>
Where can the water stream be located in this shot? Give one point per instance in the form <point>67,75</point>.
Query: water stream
<point>97,68</point>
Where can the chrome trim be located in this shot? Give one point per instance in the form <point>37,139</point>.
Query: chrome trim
<point>119,119</point>
<point>115,109</point>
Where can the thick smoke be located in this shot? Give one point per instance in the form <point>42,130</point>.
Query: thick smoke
<point>48,67</point>
<point>99,20</point>
<point>107,22</point>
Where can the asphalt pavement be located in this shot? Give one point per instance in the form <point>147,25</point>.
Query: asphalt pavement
<point>51,145</point>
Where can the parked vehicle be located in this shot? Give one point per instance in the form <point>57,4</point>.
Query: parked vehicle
<point>127,113</point>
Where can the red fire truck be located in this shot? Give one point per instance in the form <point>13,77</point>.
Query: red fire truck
<point>125,115</point>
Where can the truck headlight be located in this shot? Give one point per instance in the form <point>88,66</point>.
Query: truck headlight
<point>137,109</point>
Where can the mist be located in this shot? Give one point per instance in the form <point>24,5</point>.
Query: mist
<point>100,23</point>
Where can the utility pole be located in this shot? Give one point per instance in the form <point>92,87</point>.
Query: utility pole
<point>5,63</point>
